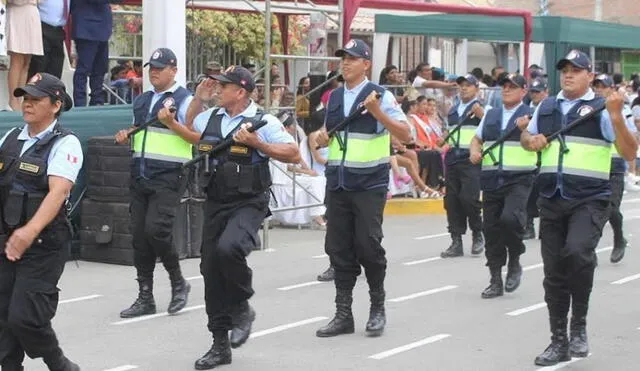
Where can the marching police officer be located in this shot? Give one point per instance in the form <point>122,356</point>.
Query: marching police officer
<point>237,203</point>
<point>604,86</point>
<point>157,181</point>
<point>574,197</point>
<point>462,178</point>
<point>506,179</point>
<point>538,91</point>
<point>357,175</point>
<point>38,167</point>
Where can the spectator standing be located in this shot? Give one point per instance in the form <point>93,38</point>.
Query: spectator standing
<point>53,17</point>
<point>24,39</point>
<point>91,30</point>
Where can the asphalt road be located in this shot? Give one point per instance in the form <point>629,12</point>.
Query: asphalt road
<point>436,318</point>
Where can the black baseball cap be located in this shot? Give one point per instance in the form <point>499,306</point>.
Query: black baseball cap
<point>356,48</point>
<point>237,75</point>
<point>161,58</point>
<point>538,85</point>
<point>605,79</point>
<point>468,78</point>
<point>517,80</point>
<point>576,58</point>
<point>46,85</point>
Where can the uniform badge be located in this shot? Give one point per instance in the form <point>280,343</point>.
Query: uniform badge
<point>584,110</point>
<point>30,168</point>
<point>169,102</point>
<point>1,165</point>
<point>205,147</point>
<point>239,150</point>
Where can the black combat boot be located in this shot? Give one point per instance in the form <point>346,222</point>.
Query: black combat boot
<point>529,230</point>
<point>327,275</point>
<point>455,249</point>
<point>514,274</point>
<point>619,245</point>
<point>144,304</point>
<point>377,317</point>
<point>243,317</point>
<point>495,288</point>
<point>219,354</point>
<point>342,323</point>
<point>477,247</point>
<point>558,350</point>
<point>578,345</point>
<point>179,295</point>
<point>56,361</point>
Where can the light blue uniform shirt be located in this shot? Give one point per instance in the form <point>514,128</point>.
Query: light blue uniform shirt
<point>52,12</point>
<point>181,115</point>
<point>566,105</point>
<point>65,159</point>
<point>506,116</point>
<point>389,104</point>
<point>273,132</point>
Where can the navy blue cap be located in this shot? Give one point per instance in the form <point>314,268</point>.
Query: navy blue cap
<point>605,79</point>
<point>161,58</point>
<point>46,85</point>
<point>538,85</point>
<point>576,58</point>
<point>468,78</point>
<point>515,79</point>
<point>356,48</point>
<point>237,75</point>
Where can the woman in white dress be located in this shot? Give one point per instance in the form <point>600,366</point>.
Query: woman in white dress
<point>24,39</point>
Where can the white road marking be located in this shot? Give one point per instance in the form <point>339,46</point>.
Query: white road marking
<point>630,200</point>
<point>305,284</point>
<point>423,293</point>
<point>530,267</point>
<point>528,309</point>
<point>562,365</point>
<point>422,261</point>
<point>123,368</point>
<point>82,298</point>
<point>269,250</point>
<point>626,279</point>
<point>287,327</point>
<point>157,315</point>
<point>320,256</point>
<point>407,347</point>
<point>194,278</point>
<point>603,249</point>
<point>429,236</point>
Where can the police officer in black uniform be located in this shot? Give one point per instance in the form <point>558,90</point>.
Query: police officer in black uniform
<point>38,167</point>
<point>237,203</point>
<point>505,186</point>
<point>574,197</point>
<point>157,181</point>
<point>604,86</point>
<point>357,175</point>
<point>462,178</point>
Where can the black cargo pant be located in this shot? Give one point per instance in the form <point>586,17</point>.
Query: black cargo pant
<point>615,217</point>
<point>154,203</point>
<point>570,231</point>
<point>229,235</point>
<point>354,237</point>
<point>462,201</point>
<point>29,298</point>
<point>504,214</point>
<point>532,202</point>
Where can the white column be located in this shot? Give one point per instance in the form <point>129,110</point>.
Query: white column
<point>379,59</point>
<point>462,54</point>
<point>165,27</point>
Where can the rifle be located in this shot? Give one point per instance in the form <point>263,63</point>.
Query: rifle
<point>346,122</point>
<point>218,148</point>
<point>499,141</point>
<point>144,126</point>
